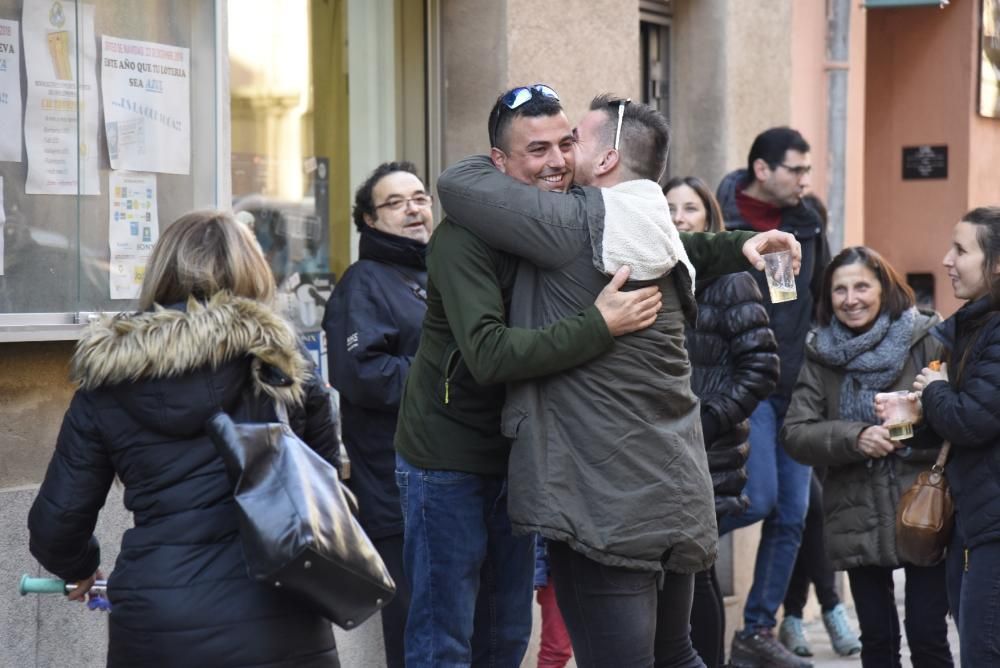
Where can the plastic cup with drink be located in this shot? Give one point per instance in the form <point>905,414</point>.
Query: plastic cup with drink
<point>780,276</point>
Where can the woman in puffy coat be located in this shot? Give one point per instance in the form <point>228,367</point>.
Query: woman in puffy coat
<point>206,340</point>
<point>961,405</point>
<point>734,364</point>
<point>871,339</point>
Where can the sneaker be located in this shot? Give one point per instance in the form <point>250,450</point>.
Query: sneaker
<point>842,637</point>
<point>762,650</point>
<point>793,636</point>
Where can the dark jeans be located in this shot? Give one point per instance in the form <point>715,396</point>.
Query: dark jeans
<point>708,619</point>
<point>974,592</point>
<point>926,605</point>
<point>470,577</point>
<point>617,617</point>
<point>390,548</point>
<point>812,564</point>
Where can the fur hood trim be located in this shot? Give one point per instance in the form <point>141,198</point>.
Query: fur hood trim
<point>167,342</point>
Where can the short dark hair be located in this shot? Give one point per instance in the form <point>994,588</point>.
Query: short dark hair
<point>897,296</point>
<point>771,146</point>
<point>645,139</point>
<point>501,116</point>
<point>363,201</point>
<point>713,212</point>
<point>987,222</point>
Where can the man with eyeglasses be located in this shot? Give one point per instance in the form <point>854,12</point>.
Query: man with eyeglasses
<point>372,324</point>
<point>471,578</point>
<point>607,461</point>
<point>768,195</point>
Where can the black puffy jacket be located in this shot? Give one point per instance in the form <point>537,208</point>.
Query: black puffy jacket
<point>965,412</point>
<point>372,324</point>
<point>790,321</point>
<point>734,366</point>
<point>179,590</point>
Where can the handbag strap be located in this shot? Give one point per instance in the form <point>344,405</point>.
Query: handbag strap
<point>282,412</point>
<point>942,458</point>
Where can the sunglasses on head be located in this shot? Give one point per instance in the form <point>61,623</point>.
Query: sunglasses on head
<point>516,97</point>
<point>621,115</point>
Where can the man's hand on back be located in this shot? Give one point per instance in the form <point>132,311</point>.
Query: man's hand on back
<point>626,312</point>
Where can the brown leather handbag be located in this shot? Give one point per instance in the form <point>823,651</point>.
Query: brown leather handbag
<point>925,516</point>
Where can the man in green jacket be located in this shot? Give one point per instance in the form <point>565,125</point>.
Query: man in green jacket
<point>471,577</point>
<point>607,462</point>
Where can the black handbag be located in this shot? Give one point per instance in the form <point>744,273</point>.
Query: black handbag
<point>297,524</point>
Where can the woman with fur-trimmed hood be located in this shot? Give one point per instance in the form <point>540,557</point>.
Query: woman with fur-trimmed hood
<point>206,340</point>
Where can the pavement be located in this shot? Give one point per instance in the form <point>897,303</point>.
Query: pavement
<point>825,657</point>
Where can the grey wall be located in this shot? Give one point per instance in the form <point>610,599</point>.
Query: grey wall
<point>730,79</point>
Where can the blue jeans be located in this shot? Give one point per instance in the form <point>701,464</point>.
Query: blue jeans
<point>974,595</point>
<point>470,577</point>
<point>778,489</point>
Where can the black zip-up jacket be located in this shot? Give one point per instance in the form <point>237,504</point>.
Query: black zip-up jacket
<point>179,590</point>
<point>372,324</point>
<point>965,412</point>
<point>790,321</point>
<point>734,365</point>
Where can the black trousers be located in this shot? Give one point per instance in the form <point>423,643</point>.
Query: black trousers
<point>618,617</point>
<point>390,548</point>
<point>926,605</point>
<point>812,564</point>
<point>708,619</point>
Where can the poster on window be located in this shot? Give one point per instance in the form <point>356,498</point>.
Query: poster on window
<point>3,221</point>
<point>133,229</point>
<point>146,89</point>
<point>10,91</point>
<point>60,113</point>
<point>989,61</point>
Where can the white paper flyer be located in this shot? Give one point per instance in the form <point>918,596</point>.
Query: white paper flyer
<point>62,156</point>
<point>133,229</point>
<point>3,224</point>
<point>146,88</point>
<point>10,92</point>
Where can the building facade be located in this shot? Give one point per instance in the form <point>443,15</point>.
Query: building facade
<point>293,103</point>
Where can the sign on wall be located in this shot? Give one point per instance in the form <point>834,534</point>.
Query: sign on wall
<point>925,162</point>
<point>989,60</point>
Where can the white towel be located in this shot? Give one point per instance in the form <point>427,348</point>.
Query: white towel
<point>637,231</point>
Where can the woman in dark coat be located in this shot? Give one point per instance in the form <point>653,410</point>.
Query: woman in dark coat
<point>734,364</point>
<point>961,405</point>
<point>147,382</point>
<point>871,339</point>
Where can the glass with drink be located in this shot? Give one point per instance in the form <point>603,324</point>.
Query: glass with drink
<point>900,414</point>
<point>780,276</point>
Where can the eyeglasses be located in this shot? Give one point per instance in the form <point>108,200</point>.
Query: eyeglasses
<point>516,97</point>
<point>397,203</point>
<point>799,171</point>
<point>621,115</point>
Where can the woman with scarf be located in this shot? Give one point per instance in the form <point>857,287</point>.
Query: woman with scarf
<point>871,339</point>
<point>960,404</point>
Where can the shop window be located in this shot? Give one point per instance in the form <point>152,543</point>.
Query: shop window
<point>274,168</point>
<point>110,130</point>
<point>654,49</point>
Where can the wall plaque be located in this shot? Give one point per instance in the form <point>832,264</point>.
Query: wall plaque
<point>925,162</point>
